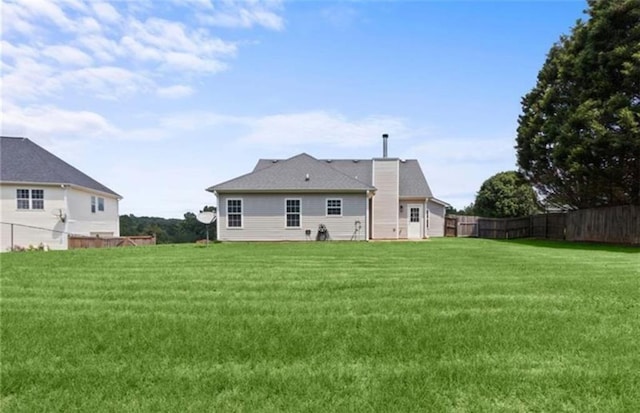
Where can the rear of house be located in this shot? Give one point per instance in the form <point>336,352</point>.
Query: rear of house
<point>304,198</point>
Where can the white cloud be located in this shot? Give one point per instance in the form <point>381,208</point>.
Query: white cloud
<point>49,11</point>
<point>107,82</point>
<point>455,168</point>
<point>103,49</point>
<point>186,61</point>
<point>67,55</point>
<point>321,127</point>
<point>106,12</point>
<point>175,92</point>
<point>73,46</point>
<point>51,121</point>
<point>241,14</point>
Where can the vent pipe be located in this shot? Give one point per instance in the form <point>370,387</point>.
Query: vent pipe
<point>384,145</point>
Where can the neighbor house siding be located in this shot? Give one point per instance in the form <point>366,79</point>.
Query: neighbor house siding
<point>386,199</point>
<point>84,222</point>
<point>264,217</point>
<point>436,219</point>
<point>31,226</point>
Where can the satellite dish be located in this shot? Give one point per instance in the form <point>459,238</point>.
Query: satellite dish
<point>206,217</point>
<point>60,213</point>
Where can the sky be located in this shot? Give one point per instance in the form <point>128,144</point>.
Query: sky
<point>159,100</point>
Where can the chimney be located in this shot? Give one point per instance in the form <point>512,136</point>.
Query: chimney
<point>384,145</point>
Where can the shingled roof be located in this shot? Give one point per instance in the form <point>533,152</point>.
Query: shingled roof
<point>299,173</point>
<point>412,180</point>
<point>21,160</point>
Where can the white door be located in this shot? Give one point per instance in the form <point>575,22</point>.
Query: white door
<point>414,226</point>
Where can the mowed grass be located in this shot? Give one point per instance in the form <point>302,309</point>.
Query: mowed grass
<point>443,325</point>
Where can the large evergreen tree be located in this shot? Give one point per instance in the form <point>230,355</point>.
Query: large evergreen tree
<point>579,134</point>
<point>505,195</point>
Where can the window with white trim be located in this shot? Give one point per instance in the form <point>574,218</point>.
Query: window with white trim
<point>30,199</point>
<point>292,213</point>
<point>23,198</point>
<point>234,213</point>
<point>97,204</point>
<point>334,207</point>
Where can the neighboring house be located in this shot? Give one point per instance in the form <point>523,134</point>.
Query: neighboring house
<point>43,199</point>
<point>360,199</point>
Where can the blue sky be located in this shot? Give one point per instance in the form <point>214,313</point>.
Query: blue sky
<point>159,100</point>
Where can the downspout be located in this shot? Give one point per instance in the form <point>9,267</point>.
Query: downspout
<point>215,193</point>
<point>65,235</point>
<point>366,216</point>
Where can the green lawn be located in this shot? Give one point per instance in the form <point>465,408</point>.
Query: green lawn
<point>443,325</point>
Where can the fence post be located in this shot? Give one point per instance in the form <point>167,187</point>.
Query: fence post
<point>11,237</point>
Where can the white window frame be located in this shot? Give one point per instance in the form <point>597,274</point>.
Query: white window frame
<point>94,207</point>
<point>241,213</point>
<point>30,201</point>
<point>326,209</point>
<point>100,204</point>
<point>23,203</point>
<point>40,200</point>
<point>287,213</point>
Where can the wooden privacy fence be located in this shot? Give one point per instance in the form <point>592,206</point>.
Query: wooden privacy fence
<point>76,241</point>
<point>619,225</point>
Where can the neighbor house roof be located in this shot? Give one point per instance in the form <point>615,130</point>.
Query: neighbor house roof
<point>299,173</point>
<point>21,160</point>
<point>412,181</point>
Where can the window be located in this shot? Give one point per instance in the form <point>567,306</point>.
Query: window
<point>23,198</point>
<point>30,199</point>
<point>334,207</point>
<point>292,213</point>
<point>37,198</point>
<point>234,213</point>
<point>427,217</point>
<point>414,215</point>
<point>97,204</point>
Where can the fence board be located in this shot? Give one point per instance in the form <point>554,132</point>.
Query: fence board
<point>102,242</point>
<point>619,225</point>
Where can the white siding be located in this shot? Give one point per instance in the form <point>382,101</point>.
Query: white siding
<point>386,200</point>
<point>436,219</point>
<point>84,222</point>
<point>263,217</point>
<point>32,227</point>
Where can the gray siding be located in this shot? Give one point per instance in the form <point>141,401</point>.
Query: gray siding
<point>386,199</point>
<point>264,217</point>
<point>436,219</point>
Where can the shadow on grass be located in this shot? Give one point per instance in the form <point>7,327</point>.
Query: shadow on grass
<point>572,245</point>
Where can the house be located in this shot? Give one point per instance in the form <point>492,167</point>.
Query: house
<point>43,199</point>
<point>304,198</point>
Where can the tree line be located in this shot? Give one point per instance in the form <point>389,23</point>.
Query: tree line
<point>168,230</point>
